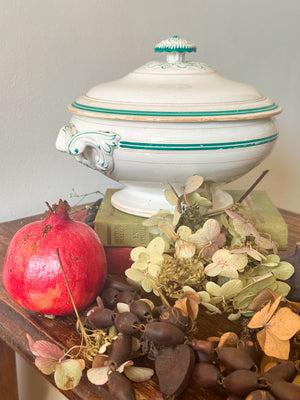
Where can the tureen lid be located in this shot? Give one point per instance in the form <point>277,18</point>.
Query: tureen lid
<point>174,90</point>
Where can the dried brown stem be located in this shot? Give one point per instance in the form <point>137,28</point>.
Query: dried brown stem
<point>253,185</point>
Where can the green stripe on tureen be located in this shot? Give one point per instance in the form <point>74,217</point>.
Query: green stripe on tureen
<point>175,43</point>
<point>175,113</point>
<point>197,146</point>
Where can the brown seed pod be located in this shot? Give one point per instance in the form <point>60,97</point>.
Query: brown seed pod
<point>126,322</point>
<point>241,382</point>
<point>109,297</point>
<point>233,396</point>
<point>141,309</point>
<point>120,286</point>
<point>203,345</point>
<point>101,318</point>
<point>175,316</point>
<point>120,387</point>
<point>260,395</point>
<point>157,310</point>
<point>120,349</point>
<point>204,357</point>
<point>164,334</point>
<point>252,349</point>
<point>233,358</point>
<point>206,375</point>
<point>285,371</point>
<point>174,367</point>
<point>285,390</point>
<point>125,297</point>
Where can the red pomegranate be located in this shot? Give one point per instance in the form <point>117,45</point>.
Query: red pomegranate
<point>32,274</point>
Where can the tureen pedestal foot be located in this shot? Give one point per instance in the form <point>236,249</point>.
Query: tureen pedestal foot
<point>146,199</point>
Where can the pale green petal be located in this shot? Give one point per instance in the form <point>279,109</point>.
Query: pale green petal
<point>234,317</point>
<point>272,258</point>
<point>184,232</point>
<point>238,261</point>
<point>284,271</point>
<point>142,266</point>
<point>229,272</point>
<point>211,228</point>
<point>156,258</point>
<point>153,270</point>
<point>156,245</point>
<point>188,289</point>
<point>176,217</point>
<point>134,255</point>
<point>282,288</point>
<point>199,239</point>
<point>205,297</point>
<point>213,289</point>
<point>213,309</point>
<point>146,285</point>
<point>231,288</point>
<point>221,256</point>
<point>213,269</point>
<point>244,228</point>
<point>134,274</point>
<point>171,197</point>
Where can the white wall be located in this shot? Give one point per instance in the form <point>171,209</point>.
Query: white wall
<point>53,51</point>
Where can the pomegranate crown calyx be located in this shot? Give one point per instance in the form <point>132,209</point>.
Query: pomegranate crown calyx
<point>61,209</point>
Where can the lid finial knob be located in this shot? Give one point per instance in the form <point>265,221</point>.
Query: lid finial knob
<point>176,48</point>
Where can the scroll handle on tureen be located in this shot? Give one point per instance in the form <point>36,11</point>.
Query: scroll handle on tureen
<point>92,148</point>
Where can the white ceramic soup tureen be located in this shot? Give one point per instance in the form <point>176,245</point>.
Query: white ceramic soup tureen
<point>166,121</point>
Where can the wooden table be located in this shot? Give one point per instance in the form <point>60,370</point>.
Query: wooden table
<point>15,322</point>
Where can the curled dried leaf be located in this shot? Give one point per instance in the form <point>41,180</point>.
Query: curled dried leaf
<point>228,339</point>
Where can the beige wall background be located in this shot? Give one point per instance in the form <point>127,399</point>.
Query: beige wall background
<point>52,52</point>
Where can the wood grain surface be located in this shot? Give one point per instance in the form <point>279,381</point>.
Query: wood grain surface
<point>15,322</point>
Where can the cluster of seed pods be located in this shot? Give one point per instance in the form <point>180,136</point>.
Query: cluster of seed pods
<point>236,370</point>
<point>178,360</point>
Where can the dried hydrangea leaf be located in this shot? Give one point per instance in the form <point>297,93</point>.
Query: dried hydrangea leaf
<point>162,216</point>
<point>46,365</point>
<point>263,242</point>
<point>98,376</point>
<point>264,297</point>
<point>68,374</point>
<point>272,346</point>
<point>261,318</point>
<point>46,349</point>
<point>228,339</point>
<point>284,324</point>
<point>171,197</point>
<point>193,183</point>
<point>138,374</point>
<point>184,249</point>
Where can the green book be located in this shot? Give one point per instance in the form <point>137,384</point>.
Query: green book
<point>118,229</point>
